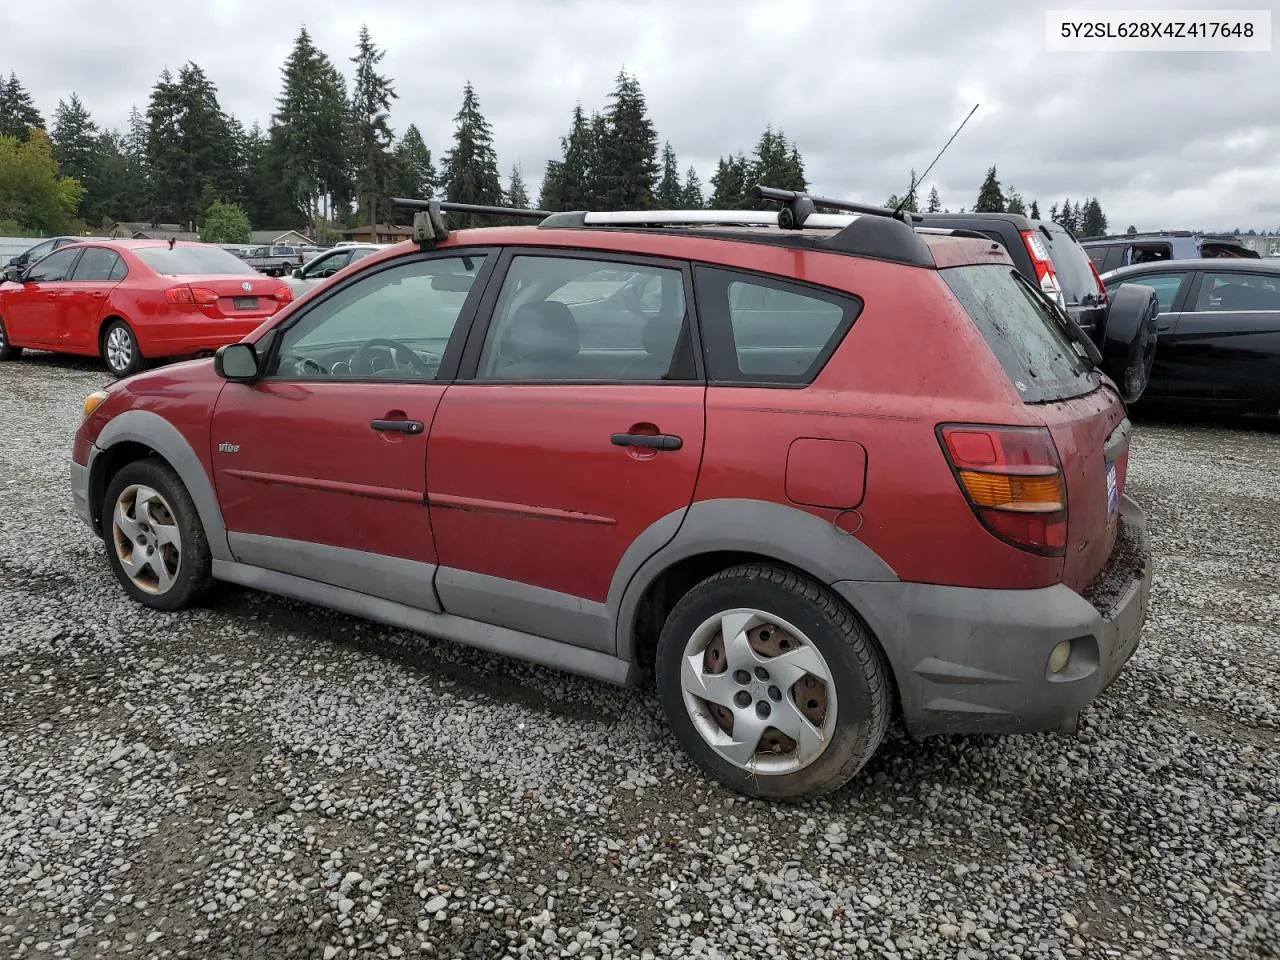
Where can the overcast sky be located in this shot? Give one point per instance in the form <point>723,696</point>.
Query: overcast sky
<point>868,89</point>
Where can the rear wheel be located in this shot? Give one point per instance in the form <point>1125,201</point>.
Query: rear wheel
<point>7,350</point>
<point>155,543</point>
<point>771,683</point>
<point>120,349</point>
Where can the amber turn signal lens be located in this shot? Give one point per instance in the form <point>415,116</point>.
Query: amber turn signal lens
<point>1019,492</point>
<point>92,402</point>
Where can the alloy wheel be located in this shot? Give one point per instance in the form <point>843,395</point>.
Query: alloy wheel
<point>146,538</point>
<point>119,349</point>
<point>758,691</point>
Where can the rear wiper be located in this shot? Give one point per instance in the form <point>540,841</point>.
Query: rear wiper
<point>1072,329</point>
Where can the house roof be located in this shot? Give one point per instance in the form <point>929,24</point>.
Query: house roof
<point>277,235</point>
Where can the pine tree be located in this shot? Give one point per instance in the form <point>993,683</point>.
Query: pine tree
<point>18,114</point>
<point>1068,216</point>
<point>628,167</point>
<point>569,183</point>
<point>470,170</point>
<point>691,193</point>
<point>263,198</point>
<point>189,145</point>
<point>372,162</point>
<point>308,141</point>
<point>1131,230</point>
<point>1035,210</point>
<point>415,173</point>
<point>935,202</point>
<point>670,193</point>
<point>775,163</point>
<point>729,184</point>
<point>137,201</point>
<point>517,195</point>
<point>1093,221</point>
<point>990,198</point>
<point>76,149</point>
<point>1014,203</point>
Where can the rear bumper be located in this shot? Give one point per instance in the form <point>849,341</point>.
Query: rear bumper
<point>977,661</point>
<point>205,336</point>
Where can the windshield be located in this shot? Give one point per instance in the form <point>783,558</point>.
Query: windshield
<point>1025,335</point>
<point>192,261</point>
<point>1071,264</point>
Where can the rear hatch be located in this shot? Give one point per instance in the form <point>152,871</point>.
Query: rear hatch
<point>1055,377</point>
<point>1082,291</point>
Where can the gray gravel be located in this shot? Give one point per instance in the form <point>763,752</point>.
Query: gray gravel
<point>261,778</point>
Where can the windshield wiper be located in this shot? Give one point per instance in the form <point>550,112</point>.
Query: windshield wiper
<point>1072,329</point>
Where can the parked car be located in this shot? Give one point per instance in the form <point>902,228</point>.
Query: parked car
<point>806,478</point>
<point>1110,253</point>
<point>1044,252</point>
<point>1219,329</point>
<point>29,256</point>
<point>328,263</point>
<point>130,301</point>
<point>276,261</point>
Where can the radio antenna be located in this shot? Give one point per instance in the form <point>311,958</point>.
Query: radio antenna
<point>901,203</point>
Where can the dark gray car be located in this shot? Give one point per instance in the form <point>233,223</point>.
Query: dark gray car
<point>1111,253</point>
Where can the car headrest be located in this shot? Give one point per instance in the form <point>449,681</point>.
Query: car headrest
<point>659,337</point>
<point>544,330</point>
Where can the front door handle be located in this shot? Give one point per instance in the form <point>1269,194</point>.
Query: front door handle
<point>660,441</point>
<point>398,426</point>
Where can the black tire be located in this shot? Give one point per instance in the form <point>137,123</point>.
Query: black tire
<point>194,565</point>
<point>7,350</point>
<point>135,362</point>
<point>1129,339</point>
<point>856,664</point>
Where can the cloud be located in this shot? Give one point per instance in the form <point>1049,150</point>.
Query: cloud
<point>868,90</point>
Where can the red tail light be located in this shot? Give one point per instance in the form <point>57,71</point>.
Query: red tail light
<point>1012,478</point>
<point>191,296</point>
<point>1046,276</point>
<point>284,293</point>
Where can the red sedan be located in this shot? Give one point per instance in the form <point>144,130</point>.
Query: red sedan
<point>129,301</point>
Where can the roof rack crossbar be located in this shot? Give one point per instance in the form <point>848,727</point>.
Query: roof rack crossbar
<point>479,209</point>
<point>799,206</point>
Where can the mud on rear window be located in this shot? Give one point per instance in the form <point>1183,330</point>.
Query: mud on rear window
<point>1028,339</point>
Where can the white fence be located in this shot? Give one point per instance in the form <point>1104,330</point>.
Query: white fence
<point>12,246</point>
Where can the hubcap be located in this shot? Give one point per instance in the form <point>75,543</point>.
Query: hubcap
<point>119,348</point>
<point>146,539</point>
<point>758,691</point>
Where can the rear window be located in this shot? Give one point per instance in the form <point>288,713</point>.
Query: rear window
<point>1071,264</point>
<point>1026,336</point>
<point>192,261</point>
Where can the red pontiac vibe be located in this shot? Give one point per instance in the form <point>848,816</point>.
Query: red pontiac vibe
<point>130,301</point>
<point>807,471</point>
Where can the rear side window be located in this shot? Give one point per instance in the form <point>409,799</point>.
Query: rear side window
<point>99,265</point>
<point>1238,291</point>
<point>763,330</point>
<point>1025,335</point>
<point>1166,286</point>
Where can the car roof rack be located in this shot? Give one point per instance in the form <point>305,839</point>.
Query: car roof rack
<point>428,222</point>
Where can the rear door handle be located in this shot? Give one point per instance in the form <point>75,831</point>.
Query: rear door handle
<point>661,441</point>
<point>398,426</point>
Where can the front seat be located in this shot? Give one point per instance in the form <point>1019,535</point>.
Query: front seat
<point>541,344</point>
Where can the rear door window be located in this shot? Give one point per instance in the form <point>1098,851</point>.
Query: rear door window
<point>98,265</point>
<point>1221,292</point>
<point>1166,286</point>
<point>1026,336</point>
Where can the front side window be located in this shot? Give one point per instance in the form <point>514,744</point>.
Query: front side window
<point>1166,286</point>
<point>394,323</point>
<point>326,266</point>
<point>99,265</point>
<point>39,250</point>
<point>54,267</point>
<point>586,320</point>
<point>765,330</point>
<point>1239,291</point>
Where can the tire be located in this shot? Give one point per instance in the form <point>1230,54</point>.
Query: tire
<point>1129,339</point>
<point>7,350</point>
<point>790,612</point>
<point>152,499</point>
<point>119,349</point>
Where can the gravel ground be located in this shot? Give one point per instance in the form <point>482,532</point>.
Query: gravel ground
<point>263,779</point>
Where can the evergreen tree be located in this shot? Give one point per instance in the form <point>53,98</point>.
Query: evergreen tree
<point>775,163</point>
<point>136,199</point>
<point>569,183</point>
<point>517,194</point>
<point>628,168</point>
<point>470,170</point>
<point>729,183</point>
<point>991,198</point>
<point>691,193</point>
<point>1068,216</point>
<point>415,173</point>
<point>189,145</point>
<point>108,201</point>
<point>670,193</point>
<point>1035,210</point>
<point>372,162</point>
<point>263,198</point>
<point>1093,222</point>
<point>935,202</point>
<point>1014,203</point>
<point>1131,230</point>
<point>76,149</point>
<point>18,113</point>
<point>1053,212</point>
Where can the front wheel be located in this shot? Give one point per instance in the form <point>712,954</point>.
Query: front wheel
<point>771,683</point>
<point>156,545</point>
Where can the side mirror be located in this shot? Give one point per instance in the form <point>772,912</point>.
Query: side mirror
<point>297,274</point>
<point>237,362</point>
